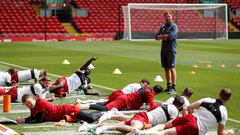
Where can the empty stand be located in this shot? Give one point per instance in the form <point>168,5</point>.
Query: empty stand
<point>18,18</point>
<point>235,4</point>
<point>103,17</point>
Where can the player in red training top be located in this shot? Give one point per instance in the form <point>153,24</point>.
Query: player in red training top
<point>130,88</point>
<point>129,101</point>
<point>43,111</point>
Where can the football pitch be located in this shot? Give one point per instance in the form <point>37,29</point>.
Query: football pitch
<point>204,65</point>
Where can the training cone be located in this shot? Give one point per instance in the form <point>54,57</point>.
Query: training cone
<point>208,65</point>
<point>222,66</point>
<point>194,66</point>
<point>193,72</point>
<point>66,62</point>
<point>158,78</point>
<point>117,71</point>
<point>238,65</point>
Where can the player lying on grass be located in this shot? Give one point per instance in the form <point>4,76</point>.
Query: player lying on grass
<point>66,85</point>
<point>186,95</point>
<point>209,112</point>
<point>145,120</point>
<point>35,90</point>
<point>43,111</point>
<point>130,88</point>
<point>129,101</point>
<point>25,75</point>
<point>5,79</point>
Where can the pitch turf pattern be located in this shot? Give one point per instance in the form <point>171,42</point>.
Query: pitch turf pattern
<point>136,60</point>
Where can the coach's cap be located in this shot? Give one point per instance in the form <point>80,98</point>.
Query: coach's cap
<point>44,78</point>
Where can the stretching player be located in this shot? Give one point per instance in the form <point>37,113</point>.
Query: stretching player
<point>209,112</point>
<point>186,94</point>
<point>36,91</point>
<point>25,75</point>
<point>145,120</point>
<point>129,101</point>
<point>130,88</point>
<point>5,79</point>
<point>43,111</point>
<point>66,85</point>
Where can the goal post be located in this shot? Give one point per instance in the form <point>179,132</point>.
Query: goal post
<point>195,21</point>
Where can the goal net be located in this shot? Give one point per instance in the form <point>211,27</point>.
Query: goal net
<point>195,21</point>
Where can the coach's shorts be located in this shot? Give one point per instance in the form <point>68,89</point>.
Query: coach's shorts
<point>168,59</point>
<point>186,125</point>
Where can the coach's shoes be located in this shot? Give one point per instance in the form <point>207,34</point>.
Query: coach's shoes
<point>170,91</point>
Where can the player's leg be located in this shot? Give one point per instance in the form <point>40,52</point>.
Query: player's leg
<point>121,117</point>
<point>89,117</point>
<point>168,78</point>
<point>1,99</point>
<point>172,64</point>
<point>98,107</point>
<point>112,127</point>
<point>164,62</point>
<point>134,124</point>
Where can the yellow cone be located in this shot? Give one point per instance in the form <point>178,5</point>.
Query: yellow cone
<point>208,65</point>
<point>117,71</point>
<point>222,66</point>
<point>158,78</point>
<point>238,65</point>
<point>193,72</point>
<point>66,62</point>
<point>194,66</point>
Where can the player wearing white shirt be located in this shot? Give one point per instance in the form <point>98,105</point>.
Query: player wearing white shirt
<point>186,94</point>
<point>159,115</point>
<point>209,112</point>
<point>36,90</point>
<point>5,79</point>
<point>130,88</point>
<point>144,120</point>
<point>25,75</point>
<point>66,85</point>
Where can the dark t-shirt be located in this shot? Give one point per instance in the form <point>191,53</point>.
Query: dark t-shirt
<point>170,44</point>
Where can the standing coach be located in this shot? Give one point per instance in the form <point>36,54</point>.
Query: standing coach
<point>168,35</point>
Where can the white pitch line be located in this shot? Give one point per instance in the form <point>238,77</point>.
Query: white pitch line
<point>100,86</point>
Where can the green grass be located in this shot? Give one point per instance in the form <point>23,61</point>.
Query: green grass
<point>139,60</point>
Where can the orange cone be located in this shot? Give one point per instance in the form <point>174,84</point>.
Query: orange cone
<point>6,103</point>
